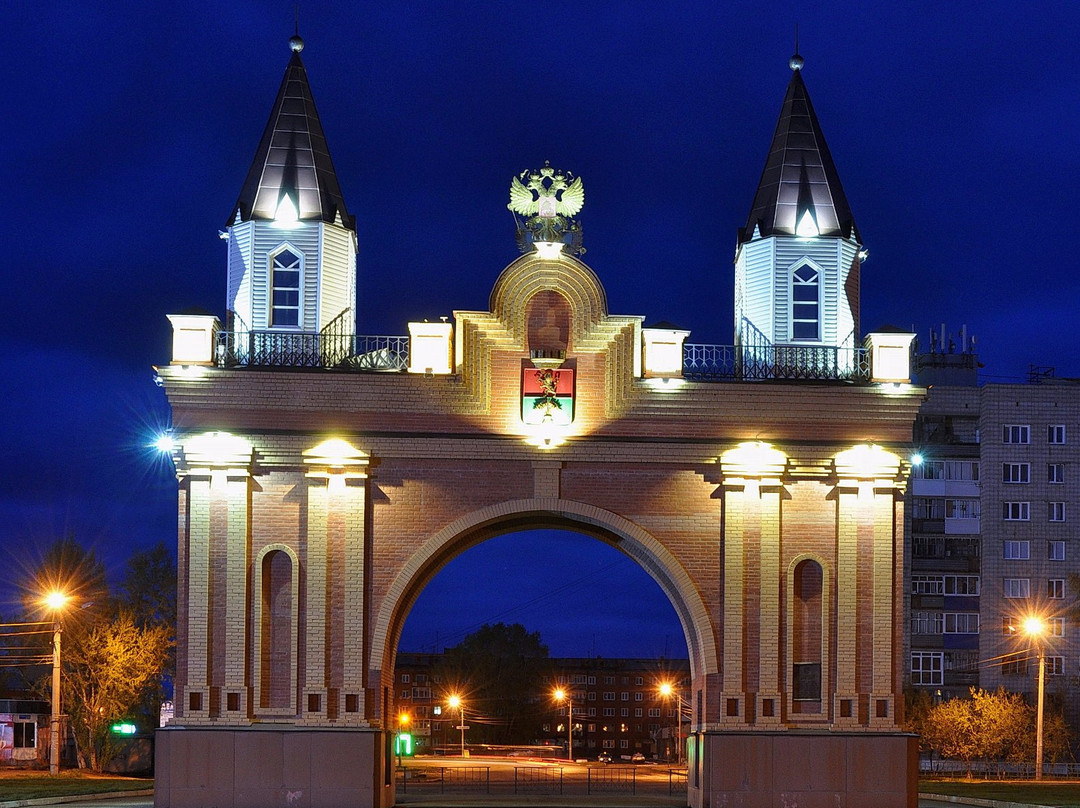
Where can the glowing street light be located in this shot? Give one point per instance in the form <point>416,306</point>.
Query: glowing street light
<point>562,695</point>
<point>455,703</point>
<point>1035,628</point>
<point>54,602</point>
<point>667,690</point>
<point>403,722</point>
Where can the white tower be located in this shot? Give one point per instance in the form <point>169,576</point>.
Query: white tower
<point>292,242</point>
<point>797,260</point>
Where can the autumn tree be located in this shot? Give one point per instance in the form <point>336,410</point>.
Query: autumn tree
<point>106,671</point>
<point>502,673</point>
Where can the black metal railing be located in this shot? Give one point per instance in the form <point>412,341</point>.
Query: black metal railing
<point>335,347</point>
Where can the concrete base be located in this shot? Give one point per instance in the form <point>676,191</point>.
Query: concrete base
<point>265,767</point>
<point>807,769</point>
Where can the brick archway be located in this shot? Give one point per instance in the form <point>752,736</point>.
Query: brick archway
<point>473,528</point>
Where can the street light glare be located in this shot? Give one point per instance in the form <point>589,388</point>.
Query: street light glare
<point>454,701</point>
<point>666,689</point>
<point>1034,626</point>
<point>56,600</point>
<point>560,694</point>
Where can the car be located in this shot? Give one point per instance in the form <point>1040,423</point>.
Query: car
<point>637,757</point>
<point>603,757</point>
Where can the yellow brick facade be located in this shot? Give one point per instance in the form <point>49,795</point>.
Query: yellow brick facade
<point>297,571</point>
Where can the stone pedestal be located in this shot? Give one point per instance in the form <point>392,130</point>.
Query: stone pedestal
<point>808,769</point>
<point>263,767</point>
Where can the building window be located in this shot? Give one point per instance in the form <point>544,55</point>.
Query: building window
<point>927,585</point>
<point>1057,626</point>
<point>1017,588</point>
<point>961,509</point>
<point>805,304</point>
<point>624,712</point>
<point>637,712</point>
<point>1016,433</point>
<point>592,680</point>
<point>654,712</point>
<point>624,696</point>
<point>421,678</point>
<point>961,622</point>
<point>609,680</point>
<point>1057,511</point>
<point>926,667</point>
<point>639,696</point>
<point>609,743</point>
<point>1055,666</point>
<point>1055,550</point>
<point>1017,550</point>
<point>1016,511</point>
<point>1016,472</point>
<point>1055,473</point>
<point>285,289</point>
<point>927,508</point>
<point>1055,589</point>
<point>1008,626</point>
<point>591,695</point>
<point>405,694</point>
<point>926,622</point>
<point>961,584</point>
<point>1055,433</point>
<point>609,695</point>
<point>405,678</point>
<point>1014,666</point>
<point>25,735</point>
<point>965,470</point>
<point>609,712</point>
<point>638,680</point>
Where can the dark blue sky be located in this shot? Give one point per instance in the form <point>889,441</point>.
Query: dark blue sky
<point>128,135</point>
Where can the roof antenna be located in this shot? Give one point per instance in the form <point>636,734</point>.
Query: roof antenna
<point>796,61</point>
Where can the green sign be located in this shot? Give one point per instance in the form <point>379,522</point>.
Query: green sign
<point>124,729</point>
<point>403,744</point>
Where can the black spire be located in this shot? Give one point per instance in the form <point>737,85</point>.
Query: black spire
<point>292,158</point>
<point>799,174</point>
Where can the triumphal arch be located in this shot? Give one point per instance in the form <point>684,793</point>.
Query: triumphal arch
<point>325,477</point>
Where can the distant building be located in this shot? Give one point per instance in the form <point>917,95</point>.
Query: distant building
<point>617,705</point>
<point>23,730</point>
<point>991,537</point>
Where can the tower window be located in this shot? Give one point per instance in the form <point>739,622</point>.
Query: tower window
<point>805,304</point>
<point>285,289</point>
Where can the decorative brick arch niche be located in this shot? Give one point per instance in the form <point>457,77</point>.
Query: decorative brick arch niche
<point>769,512</point>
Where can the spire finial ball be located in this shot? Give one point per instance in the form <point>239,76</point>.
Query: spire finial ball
<point>296,43</point>
<point>796,62</point>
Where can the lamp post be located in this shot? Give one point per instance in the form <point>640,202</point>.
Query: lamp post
<point>667,690</point>
<point>561,695</point>
<point>456,702</point>
<point>1035,628</point>
<point>402,722</point>
<point>55,602</point>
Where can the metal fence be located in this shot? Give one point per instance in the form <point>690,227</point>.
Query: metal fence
<point>420,780</point>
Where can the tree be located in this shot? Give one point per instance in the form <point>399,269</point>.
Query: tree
<point>501,674</point>
<point>148,593</point>
<point>106,672</point>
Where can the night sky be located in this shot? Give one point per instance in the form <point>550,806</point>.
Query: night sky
<point>128,135</point>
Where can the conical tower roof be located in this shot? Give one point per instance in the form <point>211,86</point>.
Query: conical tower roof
<point>799,175</point>
<point>292,158</point>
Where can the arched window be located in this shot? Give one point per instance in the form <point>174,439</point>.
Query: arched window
<point>285,289</point>
<point>806,637</point>
<point>806,303</point>
<point>276,635</point>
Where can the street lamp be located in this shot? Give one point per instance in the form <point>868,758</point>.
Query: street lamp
<point>455,702</point>
<point>55,601</point>
<point>1035,628</point>
<point>562,695</point>
<point>402,722</point>
<point>667,690</point>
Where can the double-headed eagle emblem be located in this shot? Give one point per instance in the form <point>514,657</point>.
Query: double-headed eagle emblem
<point>548,199</point>
<point>547,193</point>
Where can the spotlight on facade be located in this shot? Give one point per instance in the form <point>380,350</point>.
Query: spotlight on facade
<point>165,443</point>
